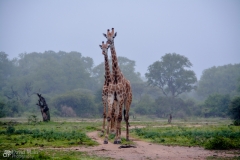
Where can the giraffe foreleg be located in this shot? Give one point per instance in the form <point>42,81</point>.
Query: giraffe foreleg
<point>119,120</point>
<point>116,121</point>
<point>113,120</point>
<point>109,116</point>
<point>104,114</point>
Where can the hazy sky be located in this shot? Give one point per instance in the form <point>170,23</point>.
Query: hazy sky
<point>205,31</point>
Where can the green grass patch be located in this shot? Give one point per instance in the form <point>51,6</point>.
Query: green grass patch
<point>210,137</point>
<point>53,134</point>
<point>51,154</point>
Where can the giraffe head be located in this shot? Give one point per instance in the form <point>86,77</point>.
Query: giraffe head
<point>110,36</point>
<point>104,48</point>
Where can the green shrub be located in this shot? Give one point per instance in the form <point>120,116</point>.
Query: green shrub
<point>2,109</point>
<point>81,104</point>
<point>220,143</point>
<point>236,122</point>
<point>216,105</point>
<point>10,129</point>
<point>234,110</point>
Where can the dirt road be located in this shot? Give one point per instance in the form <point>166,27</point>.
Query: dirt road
<point>145,150</point>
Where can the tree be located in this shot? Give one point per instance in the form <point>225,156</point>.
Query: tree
<point>6,69</point>
<point>219,80</point>
<point>171,75</point>
<point>2,109</point>
<point>238,89</point>
<point>216,105</point>
<point>177,107</point>
<point>53,72</point>
<point>234,110</point>
<point>82,103</point>
<point>127,67</point>
<point>144,106</point>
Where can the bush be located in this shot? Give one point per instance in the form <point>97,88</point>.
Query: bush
<point>176,106</point>
<point>144,106</point>
<point>82,104</point>
<point>220,143</point>
<point>32,119</point>
<point>10,129</point>
<point>2,111</point>
<point>234,110</point>
<point>67,112</point>
<point>236,122</point>
<point>216,105</point>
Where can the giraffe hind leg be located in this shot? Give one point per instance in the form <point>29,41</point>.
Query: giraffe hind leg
<point>104,119</point>
<point>126,118</point>
<point>126,115</point>
<point>119,122</point>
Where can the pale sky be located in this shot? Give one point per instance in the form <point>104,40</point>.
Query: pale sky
<point>207,32</point>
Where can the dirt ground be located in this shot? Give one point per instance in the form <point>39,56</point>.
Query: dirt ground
<point>150,151</point>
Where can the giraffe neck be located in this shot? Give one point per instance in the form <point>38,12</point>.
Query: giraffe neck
<point>107,71</point>
<point>115,68</point>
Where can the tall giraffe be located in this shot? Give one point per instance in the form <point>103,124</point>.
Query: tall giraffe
<point>108,79</point>
<point>119,89</point>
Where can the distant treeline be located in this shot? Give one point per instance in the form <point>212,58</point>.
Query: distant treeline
<point>72,86</point>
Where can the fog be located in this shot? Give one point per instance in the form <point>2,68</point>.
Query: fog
<point>206,32</point>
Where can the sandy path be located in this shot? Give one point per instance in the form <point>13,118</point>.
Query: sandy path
<point>145,150</point>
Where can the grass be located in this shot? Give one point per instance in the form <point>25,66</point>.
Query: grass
<point>208,136</point>
<point>61,134</point>
<point>51,134</point>
<point>51,154</point>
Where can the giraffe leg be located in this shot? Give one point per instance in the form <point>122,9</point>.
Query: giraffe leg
<point>104,115</point>
<point>113,120</point>
<point>107,133</point>
<point>126,118</point>
<point>112,124</point>
<point>119,122</point>
<point>109,117</point>
<point>116,122</point>
<point>126,114</point>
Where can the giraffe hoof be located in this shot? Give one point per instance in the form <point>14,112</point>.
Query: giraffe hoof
<point>105,142</point>
<point>119,142</point>
<point>115,142</point>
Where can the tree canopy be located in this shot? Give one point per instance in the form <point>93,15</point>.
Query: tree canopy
<point>171,75</point>
<point>234,110</point>
<point>53,72</point>
<point>216,105</point>
<point>127,67</point>
<point>219,80</point>
<point>72,85</point>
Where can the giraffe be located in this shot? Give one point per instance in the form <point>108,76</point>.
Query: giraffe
<point>108,79</point>
<point>119,89</point>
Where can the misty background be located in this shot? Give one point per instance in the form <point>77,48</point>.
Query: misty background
<point>207,32</point>
<point>52,48</point>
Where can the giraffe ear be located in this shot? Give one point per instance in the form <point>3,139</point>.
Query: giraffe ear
<point>115,35</point>
<point>104,35</point>
<point>100,46</point>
